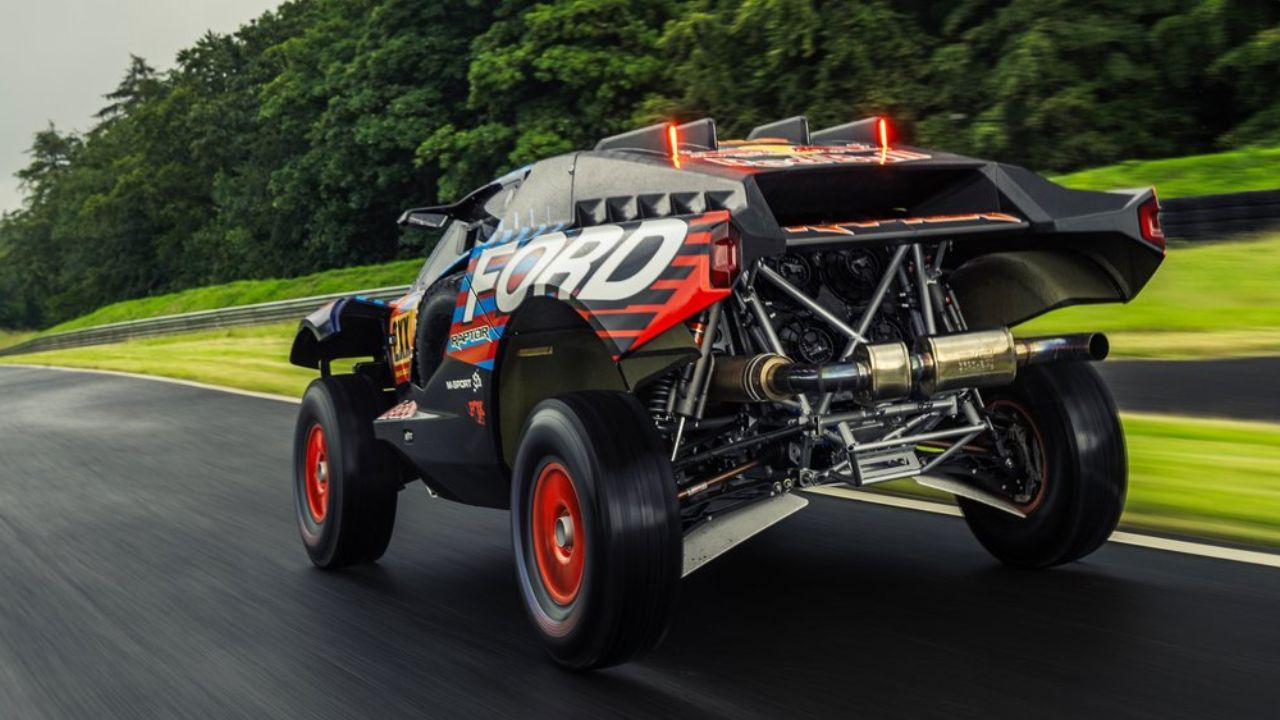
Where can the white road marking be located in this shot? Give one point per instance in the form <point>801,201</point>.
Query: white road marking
<point>158,378</point>
<point>1153,542</point>
<point>1217,552</point>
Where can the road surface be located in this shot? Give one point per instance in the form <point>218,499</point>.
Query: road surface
<point>149,568</point>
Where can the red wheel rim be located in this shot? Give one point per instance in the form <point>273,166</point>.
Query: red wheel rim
<point>317,474</point>
<point>558,535</point>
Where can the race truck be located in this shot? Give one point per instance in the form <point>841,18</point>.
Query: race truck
<point>649,351</point>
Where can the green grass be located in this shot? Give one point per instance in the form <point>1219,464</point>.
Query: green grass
<point>1216,479</point>
<point>1216,299</point>
<point>248,292</point>
<point>1226,172</point>
<point>250,358</point>
<point>11,337</point>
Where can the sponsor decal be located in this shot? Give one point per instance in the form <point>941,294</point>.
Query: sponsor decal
<point>402,326</point>
<point>473,383</point>
<point>475,409</point>
<point>468,338</point>
<point>601,263</point>
<point>784,156</point>
<point>852,227</point>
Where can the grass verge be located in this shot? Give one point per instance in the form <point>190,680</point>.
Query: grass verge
<point>11,337</point>
<point>248,292</point>
<point>249,358</point>
<point>1214,300</point>
<point>1216,479</point>
<point>1225,172</point>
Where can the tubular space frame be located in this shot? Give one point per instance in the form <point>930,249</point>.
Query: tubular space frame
<point>930,412</point>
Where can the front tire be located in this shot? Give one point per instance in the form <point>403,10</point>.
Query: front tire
<point>596,528</point>
<point>344,480</point>
<point>1073,419</point>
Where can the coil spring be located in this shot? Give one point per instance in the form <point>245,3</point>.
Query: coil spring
<point>660,396</point>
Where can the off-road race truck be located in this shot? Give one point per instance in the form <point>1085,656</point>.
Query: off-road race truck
<point>645,350</point>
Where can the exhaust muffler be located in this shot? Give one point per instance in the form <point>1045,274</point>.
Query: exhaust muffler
<point>888,371</point>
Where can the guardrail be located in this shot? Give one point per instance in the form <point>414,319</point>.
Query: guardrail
<point>186,322</point>
<point>1213,217</point>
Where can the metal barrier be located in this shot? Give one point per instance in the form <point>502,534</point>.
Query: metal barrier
<point>1213,217</point>
<point>185,322</point>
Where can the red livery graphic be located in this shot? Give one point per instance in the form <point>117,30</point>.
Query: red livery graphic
<point>631,281</point>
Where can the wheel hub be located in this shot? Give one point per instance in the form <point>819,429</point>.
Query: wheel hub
<point>316,474</point>
<point>555,518</point>
<point>1026,461</point>
<point>564,532</point>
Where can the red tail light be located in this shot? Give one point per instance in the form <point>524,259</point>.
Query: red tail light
<point>1149,223</point>
<point>673,143</point>
<point>724,260</point>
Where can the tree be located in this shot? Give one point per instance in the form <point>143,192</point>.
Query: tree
<point>547,78</point>
<point>140,83</point>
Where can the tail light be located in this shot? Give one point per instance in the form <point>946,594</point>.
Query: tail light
<point>1149,223</point>
<point>725,253</point>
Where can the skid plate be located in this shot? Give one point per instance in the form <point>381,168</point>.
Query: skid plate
<point>713,538</point>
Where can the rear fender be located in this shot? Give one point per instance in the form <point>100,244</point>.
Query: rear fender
<point>349,327</point>
<point>1090,249</point>
<point>549,349</point>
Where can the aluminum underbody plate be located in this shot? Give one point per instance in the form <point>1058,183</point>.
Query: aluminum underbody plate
<point>713,538</point>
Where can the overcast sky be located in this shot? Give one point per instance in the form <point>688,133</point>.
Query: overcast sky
<point>59,57</point>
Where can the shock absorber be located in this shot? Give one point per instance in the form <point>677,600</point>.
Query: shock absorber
<point>692,391</point>
<point>693,385</point>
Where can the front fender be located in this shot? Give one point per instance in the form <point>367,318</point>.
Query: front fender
<point>350,327</point>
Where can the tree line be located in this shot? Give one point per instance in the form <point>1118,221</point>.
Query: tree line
<point>291,145</point>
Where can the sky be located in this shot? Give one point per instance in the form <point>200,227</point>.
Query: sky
<point>59,57</point>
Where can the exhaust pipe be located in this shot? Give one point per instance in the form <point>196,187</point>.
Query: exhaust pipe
<point>1084,346</point>
<point>889,370</point>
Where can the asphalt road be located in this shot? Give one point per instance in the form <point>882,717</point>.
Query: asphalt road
<point>1245,388</point>
<point>149,568</point>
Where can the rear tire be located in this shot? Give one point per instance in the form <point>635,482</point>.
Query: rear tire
<point>344,480</point>
<point>1085,469</point>
<point>596,528</point>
